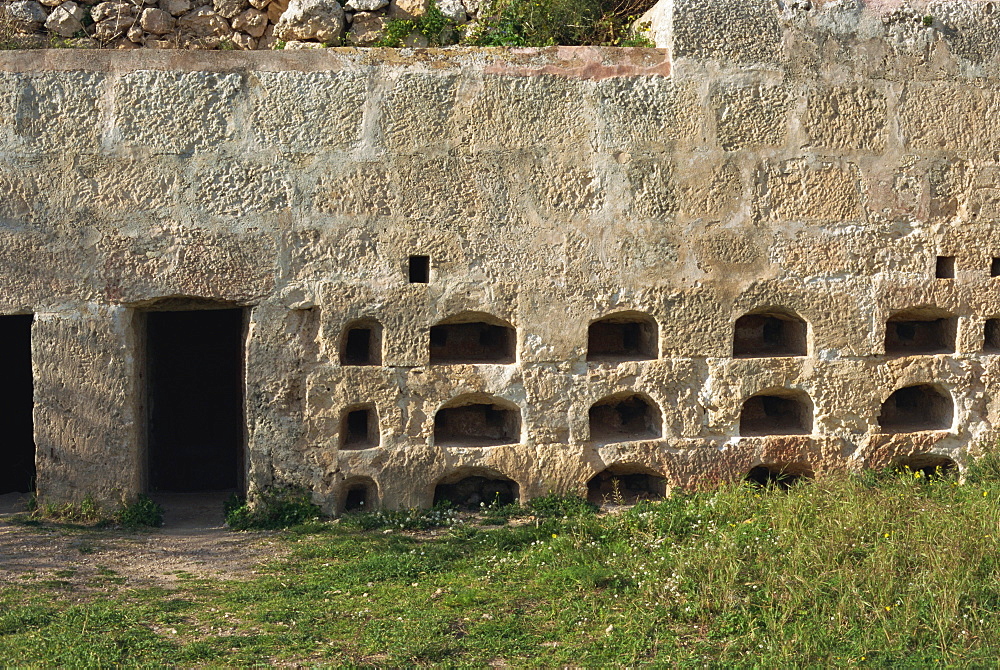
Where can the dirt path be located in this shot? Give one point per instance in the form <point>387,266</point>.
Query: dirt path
<point>193,541</point>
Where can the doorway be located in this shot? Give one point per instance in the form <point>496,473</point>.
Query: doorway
<point>194,400</point>
<point>17,448</point>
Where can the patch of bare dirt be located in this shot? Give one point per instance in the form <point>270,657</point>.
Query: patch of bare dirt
<point>192,542</point>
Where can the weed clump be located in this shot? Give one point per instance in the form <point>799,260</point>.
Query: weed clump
<point>984,468</point>
<point>86,512</point>
<point>528,23</point>
<point>272,508</point>
<point>540,23</point>
<point>144,512</point>
<point>442,515</point>
<point>553,506</point>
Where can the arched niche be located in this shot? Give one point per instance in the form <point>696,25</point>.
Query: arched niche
<point>473,337</point>
<point>779,475</point>
<point>916,408</point>
<point>477,420</point>
<point>932,466</point>
<point>358,494</point>
<point>920,330</point>
<point>626,483</point>
<point>473,488</point>
<point>770,332</point>
<point>361,343</point>
<point>624,417</point>
<point>777,412</point>
<point>624,336</point>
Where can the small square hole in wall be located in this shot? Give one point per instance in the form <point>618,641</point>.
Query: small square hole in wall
<point>995,267</point>
<point>945,267</point>
<point>420,269</point>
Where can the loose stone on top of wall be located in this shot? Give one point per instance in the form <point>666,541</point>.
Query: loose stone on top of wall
<point>222,24</point>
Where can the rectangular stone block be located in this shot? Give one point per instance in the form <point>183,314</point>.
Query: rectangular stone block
<point>750,115</point>
<point>801,190</point>
<point>47,112</point>
<point>417,112</point>
<point>523,112</point>
<point>949,117</point>
<point>649,111</point>
<point>177,112</point>
<point>846,117</point>
<point>307,112</point>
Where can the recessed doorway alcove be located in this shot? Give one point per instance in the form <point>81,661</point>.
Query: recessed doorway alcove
<point>194,399</point>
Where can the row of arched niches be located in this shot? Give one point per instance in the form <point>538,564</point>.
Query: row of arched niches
<point>485,421</point>
<point>478,338</point>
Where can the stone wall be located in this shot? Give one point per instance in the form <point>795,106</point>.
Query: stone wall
<point>838,169</point>
<point>222,24</point>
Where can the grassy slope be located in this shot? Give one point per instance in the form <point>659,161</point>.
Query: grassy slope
<point>838,572</point>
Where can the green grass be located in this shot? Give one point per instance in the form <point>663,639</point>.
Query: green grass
<point>875,571</point>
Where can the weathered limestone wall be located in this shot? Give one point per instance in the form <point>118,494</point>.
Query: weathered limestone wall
<point>818,161</point>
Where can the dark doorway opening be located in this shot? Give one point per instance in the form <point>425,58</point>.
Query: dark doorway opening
<point>930,466</point>
<point>622,418</point>
<point>17,449</point>
<point>360,495</point>
<point>195,400</point>
<point>362,344</point>
<point>477,424</point>
<point>991,343</point>
<point>359,428</point>
<point>945,267</point>
<point>916,332</point>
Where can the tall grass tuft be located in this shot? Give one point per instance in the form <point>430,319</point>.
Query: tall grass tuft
<point>541,23</point>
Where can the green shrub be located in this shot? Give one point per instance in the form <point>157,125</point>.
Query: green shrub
<point>438,29</point>
<point>278,507</point>
<point>143,512</point>
<point>541,23</point>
